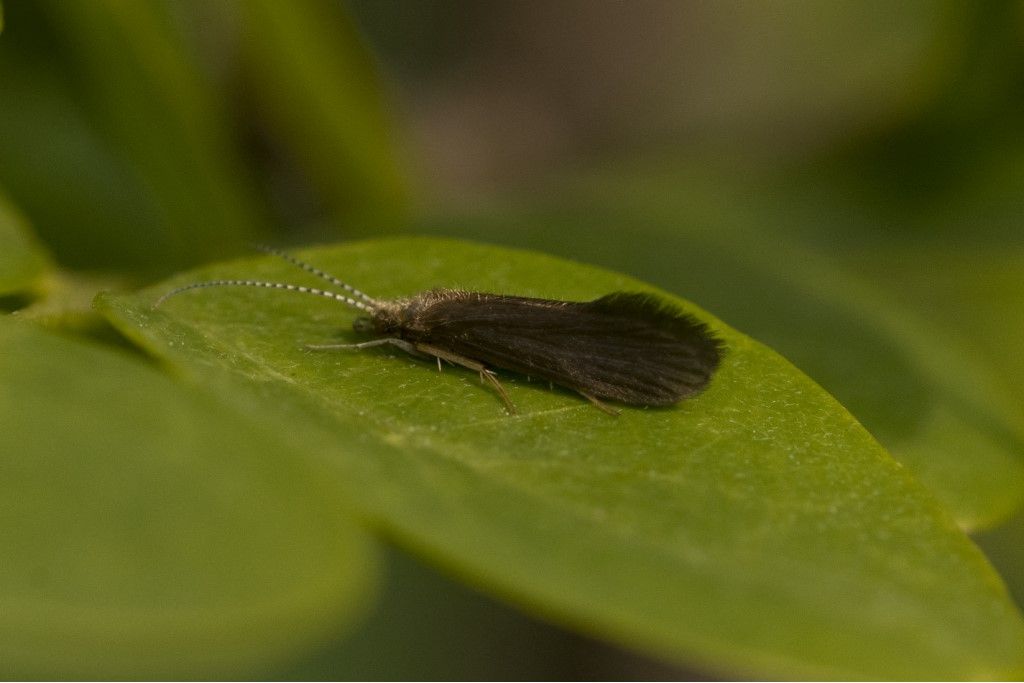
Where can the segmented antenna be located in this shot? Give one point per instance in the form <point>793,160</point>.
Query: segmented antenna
<point>316,271</point>
<point>369,305</point>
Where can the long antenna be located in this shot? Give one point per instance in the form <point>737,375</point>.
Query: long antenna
<point>369,306</point>
<point>316,271</point>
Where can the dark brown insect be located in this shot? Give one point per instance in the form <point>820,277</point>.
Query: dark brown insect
<point>630,348</point>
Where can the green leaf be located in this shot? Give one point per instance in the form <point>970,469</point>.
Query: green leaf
<point>318,89</point>
<point>86,203</point>
<point>22,259</point>
<point>883,362</point>
<point>974,290</point>
<point>956,431</point>
<point>160,116</point>
<point>66,305</point>
<point>757,527</point>
<point>148,532</point>
<point>1005,545</point>
<point>481,640</point>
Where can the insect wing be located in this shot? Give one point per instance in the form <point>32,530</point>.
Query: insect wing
<point>631,348</point>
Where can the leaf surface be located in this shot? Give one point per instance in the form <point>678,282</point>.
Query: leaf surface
<point>757,527</point>
<point>148,532</point>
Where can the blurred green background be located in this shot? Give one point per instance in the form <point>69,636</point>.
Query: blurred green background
<point>843,181</point>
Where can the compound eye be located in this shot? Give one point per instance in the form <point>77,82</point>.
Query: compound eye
<point>362,324</point>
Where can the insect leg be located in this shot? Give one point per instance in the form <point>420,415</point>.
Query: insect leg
<point>472,365</point>
<point>393,341</point>
<point>600,404</point>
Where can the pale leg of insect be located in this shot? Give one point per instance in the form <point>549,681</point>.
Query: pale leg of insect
<point>471,364</point>
<point>392,341</point>
<point>601,405</point>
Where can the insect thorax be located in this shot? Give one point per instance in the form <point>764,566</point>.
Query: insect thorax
<point>404,317</point>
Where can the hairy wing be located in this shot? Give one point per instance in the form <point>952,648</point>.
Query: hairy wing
<point>626,347</point>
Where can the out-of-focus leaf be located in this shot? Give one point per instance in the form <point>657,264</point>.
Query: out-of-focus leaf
<point>1005,545</point>
<point>148,532</point>
<point>481,639</point>
<point>882,362</point>
<point>51,297</point>
<point>317,89</point>
<point>88,205</point>
<point>22,259</point>
<point>66,304</point>
<point>156,113</point>
<point>755,528</point>
<point>976,291</point>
